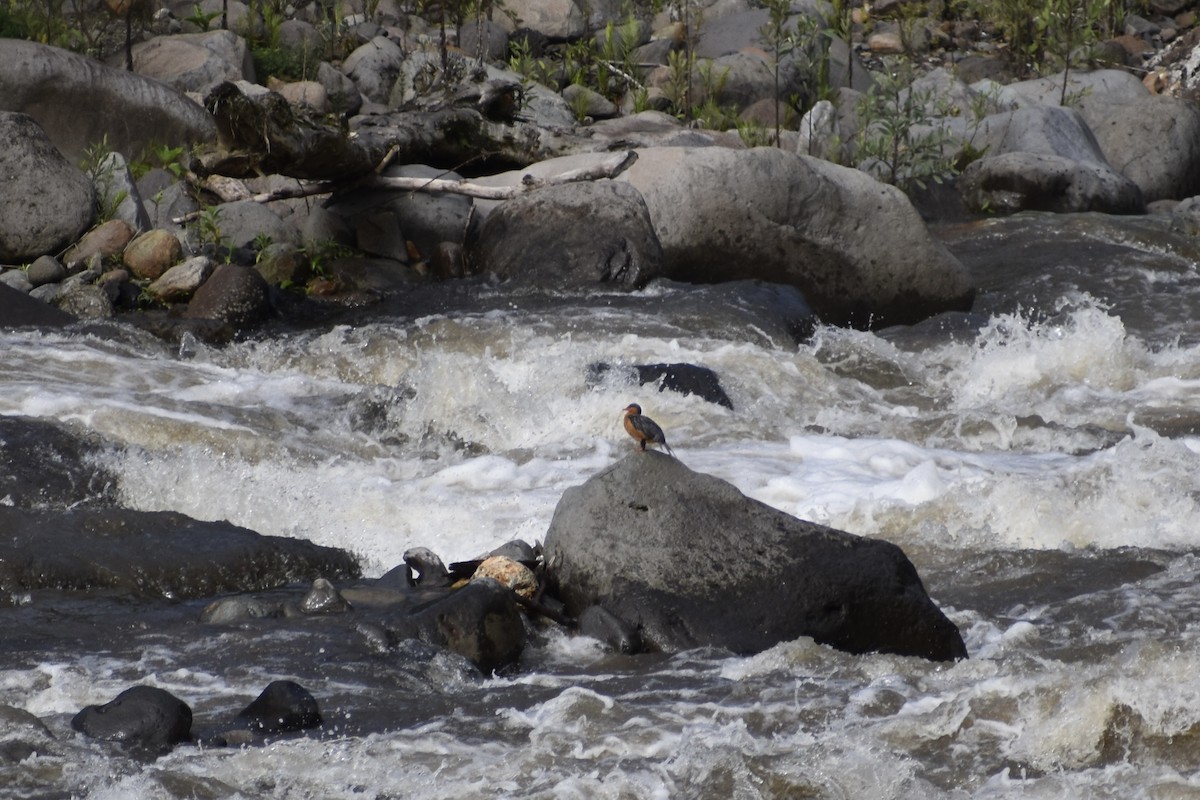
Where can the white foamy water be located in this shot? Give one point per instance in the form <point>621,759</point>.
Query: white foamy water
<point>1062,435</point>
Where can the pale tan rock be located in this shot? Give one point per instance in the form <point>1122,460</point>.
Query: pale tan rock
<point>513,574</point>
<point>153,253</point>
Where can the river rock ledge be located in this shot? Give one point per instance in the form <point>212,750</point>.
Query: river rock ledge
<point>693,562</point>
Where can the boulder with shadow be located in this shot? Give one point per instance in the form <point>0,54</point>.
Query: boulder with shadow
<point>692,562</point>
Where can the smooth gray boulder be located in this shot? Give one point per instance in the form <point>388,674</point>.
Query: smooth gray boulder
<point>1095,95</point>
<point>374,67</point>
<point>1050,130</point>
<point>79,101</point>
<point>572,235</point>
<point>693,562</point>
<point>49,202</point>
<point>1023,181</point>
<point>195,62</point>
<point>1155,142</point>
<point>856,248</point>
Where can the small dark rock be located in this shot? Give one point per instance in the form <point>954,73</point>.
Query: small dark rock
<point>323,598</point>
<point>283,706</point>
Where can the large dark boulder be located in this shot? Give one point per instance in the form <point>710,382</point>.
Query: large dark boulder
<point>572,235</point>
<point>142,717</point>
<point>695,562</point>
<point>159,553</point>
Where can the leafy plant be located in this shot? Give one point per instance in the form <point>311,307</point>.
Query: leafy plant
<point>202,19</point>
<point>98,163</point>
<point>208,228</point>
<point>899,140</point>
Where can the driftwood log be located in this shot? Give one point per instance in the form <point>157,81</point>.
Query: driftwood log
<point>230,190</point>
<point>260,134</point>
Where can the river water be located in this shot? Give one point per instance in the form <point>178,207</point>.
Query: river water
<point>1036,459</point>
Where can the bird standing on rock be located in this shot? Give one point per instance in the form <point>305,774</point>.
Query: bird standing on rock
<point>643,429</point>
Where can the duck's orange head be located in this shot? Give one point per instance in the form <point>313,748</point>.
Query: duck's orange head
<point>633,408</point>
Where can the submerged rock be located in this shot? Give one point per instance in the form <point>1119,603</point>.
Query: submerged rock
<point>694,562</point>
<point>143,717</point>
<point>686,379</point>
<point>160,553</point>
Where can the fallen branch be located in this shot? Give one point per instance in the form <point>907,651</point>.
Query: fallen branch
<point>609,168</point>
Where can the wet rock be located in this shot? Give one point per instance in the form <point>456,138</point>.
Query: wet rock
<point>235,295</point>
<point>49,202</point>
<point>424,568</point>
<point>54,86</point>
<point>283,706</point>
<point>685,379</point>
<point>692,562</point>
<point>22,735</point>
<point>194,62</point>
<point>574,235</point>
<point>158,553</point>
<point>142,717</point>
<point>19,310</point>
<point>239,607</point>
<point>617,634</point>
<point>323,598</point>
<point>480,622</point>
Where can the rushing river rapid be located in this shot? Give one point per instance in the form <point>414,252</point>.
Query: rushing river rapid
<point>1036,458</point>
